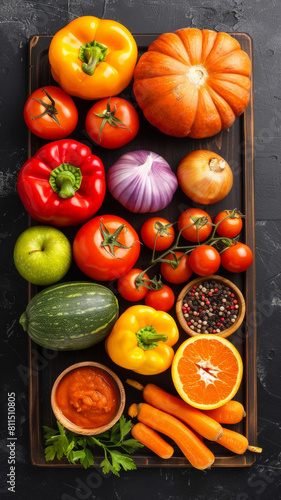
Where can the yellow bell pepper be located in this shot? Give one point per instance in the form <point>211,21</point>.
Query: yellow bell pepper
<point>142,340</point>
<point>93,58</point>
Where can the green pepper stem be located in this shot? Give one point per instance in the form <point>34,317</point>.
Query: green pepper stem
<point>148,338</point>
<point>65,183</point>
<point>65,180</point>
<point>91,54</point>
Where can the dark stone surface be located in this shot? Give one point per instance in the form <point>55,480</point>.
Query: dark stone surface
<point>19,20</point>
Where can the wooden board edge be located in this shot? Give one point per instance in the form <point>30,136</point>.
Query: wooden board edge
<point>251,376</point>
<point>241,461</point>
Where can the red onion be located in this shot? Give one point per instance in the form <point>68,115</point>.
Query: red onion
<point>142,181</point>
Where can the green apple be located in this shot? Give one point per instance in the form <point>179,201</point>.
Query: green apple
<point>42,255</point>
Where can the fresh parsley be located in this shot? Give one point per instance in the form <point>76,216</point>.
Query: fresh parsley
<point>76,448</point>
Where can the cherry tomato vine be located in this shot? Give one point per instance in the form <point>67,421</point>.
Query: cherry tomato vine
<point>177,252</point>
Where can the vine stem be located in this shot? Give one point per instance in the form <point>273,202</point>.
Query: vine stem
<point>186,249</point>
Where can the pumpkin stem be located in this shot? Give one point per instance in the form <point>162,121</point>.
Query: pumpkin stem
<point>197,75</point>
<point>216,165</point>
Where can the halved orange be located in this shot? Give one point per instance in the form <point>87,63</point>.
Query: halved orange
<point>207,371</point>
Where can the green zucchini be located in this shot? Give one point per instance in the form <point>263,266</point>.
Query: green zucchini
<point>70,316</point>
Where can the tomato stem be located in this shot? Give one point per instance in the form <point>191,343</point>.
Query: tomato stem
<point>108,116</point>
<point>50,109</point>
<point>227,242</point>
<point>111,239</point>
<point>154,284</point>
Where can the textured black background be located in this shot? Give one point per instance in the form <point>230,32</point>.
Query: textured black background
<point>21,19</point>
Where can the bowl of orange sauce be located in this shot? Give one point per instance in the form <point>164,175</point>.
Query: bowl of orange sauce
<point>88,398</point>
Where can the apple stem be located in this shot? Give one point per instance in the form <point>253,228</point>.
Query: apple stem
<point>33,251</point>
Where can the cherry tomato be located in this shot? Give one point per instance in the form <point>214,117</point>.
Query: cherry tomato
<point>112,122</point>
<point>50,113</point>
<point>179,274</point>
<point>160,228</point>
<point>102,256</point>
<point>229,227</point>
<point>200,229</point>
<point>237,258</point>
<point>204,260</point>
<point>161,300</point>
<point>127,286</point>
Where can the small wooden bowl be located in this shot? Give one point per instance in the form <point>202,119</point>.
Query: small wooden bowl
<point>241,302</point>
<point>81,430</point>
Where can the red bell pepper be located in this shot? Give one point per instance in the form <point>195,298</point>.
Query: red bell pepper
<point>63,184</point>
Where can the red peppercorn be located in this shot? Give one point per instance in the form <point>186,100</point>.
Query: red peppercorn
<point>210,294</point>
<point>188,308</point>
<point>216,290</point>
<point>200,310</point>
<point>232,307</point>
<point>189,323</point>
<point>208,303</point>
<point>235,301</point>
<point>232,295</point>
<point>222,319</point>
<point>214,331</point>
<point>192,294</point>
<point>195,286</point>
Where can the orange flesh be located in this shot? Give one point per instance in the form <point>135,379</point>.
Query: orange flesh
<point>87,397</point>
<point>208,371</point>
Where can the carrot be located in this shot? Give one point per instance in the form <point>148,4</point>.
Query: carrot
<point>135,384</point>
<point>236,442</point>
<point>230,413</point>
<point>193,449</point>
<point>149,438</point>
<point>203,424</point>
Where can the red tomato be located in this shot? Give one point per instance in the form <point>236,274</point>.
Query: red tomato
<point>204,260</point>
<point>229,227</point>
<point>160,228</point>
<point>55,117</point>
<point>179,274</point>
<point>101,260</point>
<point>161,300</point>
<point>112,122</point>
<point>237,258</point>
<point>127,286</point>
<point>200,229</point>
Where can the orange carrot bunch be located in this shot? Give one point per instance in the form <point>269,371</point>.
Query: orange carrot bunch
<point>186,426</point>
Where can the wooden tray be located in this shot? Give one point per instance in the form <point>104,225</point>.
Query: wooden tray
<point>236,146</point>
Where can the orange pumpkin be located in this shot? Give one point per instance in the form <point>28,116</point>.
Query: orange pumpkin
<point>193,82</point>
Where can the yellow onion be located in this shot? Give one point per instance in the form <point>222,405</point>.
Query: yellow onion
<point>204,177</point>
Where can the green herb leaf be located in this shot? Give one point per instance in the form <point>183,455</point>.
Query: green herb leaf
<point>49,432</point>
<point>61,443</point>
<point>106,466</point>
<point>130,445</point>
<point>92,441</point>
<point>50,453</point>
<point>88,460</point>
<point>125,427</point>
<point>121,460</point>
